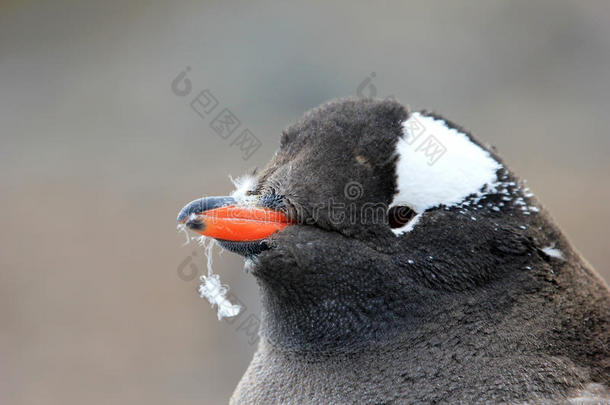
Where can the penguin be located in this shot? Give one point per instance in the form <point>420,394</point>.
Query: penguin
<point>400,260</point>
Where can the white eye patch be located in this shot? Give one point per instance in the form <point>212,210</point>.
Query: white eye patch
<point>438,165</point>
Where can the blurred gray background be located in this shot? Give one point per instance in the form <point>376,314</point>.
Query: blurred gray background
<point>97,155</point>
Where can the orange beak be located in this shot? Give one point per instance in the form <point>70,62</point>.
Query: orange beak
<point>220,218</point>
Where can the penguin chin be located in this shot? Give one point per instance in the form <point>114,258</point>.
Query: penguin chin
<point>247,249</point>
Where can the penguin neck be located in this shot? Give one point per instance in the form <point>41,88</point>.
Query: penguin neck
<point>338,320</point>
<point>325,324</point>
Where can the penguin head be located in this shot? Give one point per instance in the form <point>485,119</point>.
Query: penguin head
<point>367,217</point>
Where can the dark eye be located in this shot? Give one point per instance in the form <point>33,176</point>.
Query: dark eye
<point>398,216</point>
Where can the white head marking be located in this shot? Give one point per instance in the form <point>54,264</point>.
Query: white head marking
<point>439,165</point>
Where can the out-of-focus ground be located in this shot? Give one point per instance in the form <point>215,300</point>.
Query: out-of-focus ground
<point>97,155</point>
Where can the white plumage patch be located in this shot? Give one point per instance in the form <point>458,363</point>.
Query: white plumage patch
<point>439,165</point>
<point>553,252</point>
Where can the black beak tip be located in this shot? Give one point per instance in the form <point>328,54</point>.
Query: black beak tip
<point>203,204</point>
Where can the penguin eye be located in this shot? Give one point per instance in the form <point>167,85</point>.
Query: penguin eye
<point>399,215</point>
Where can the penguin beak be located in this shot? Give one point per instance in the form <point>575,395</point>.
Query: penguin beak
<point>223,219</point>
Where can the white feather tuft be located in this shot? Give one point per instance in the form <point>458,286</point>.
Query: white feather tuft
<point>182,228</point>
<point>242,185</point>
<point>212,289</point>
